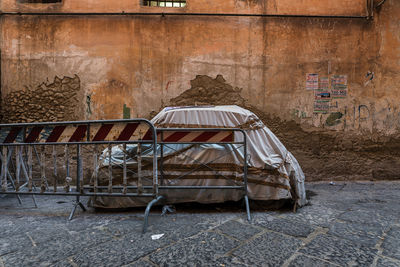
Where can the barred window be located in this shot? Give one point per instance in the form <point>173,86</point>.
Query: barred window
<point>40,1</point>
<point>165,3</point>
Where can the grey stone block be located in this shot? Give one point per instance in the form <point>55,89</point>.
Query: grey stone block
<point>391,244</point>
<point>270,249</point>
<point>339,251</point>
<point>387,263</point>
<point>305,261</point>
<point>363,234</point>
<point>200,250</point>
<point>238,230</point>
<point>287,226</point>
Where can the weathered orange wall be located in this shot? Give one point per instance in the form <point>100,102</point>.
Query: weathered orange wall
<point>298,7</point>
<point>144,61</point>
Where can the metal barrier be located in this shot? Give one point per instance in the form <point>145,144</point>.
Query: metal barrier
<point>26,149</point>
<point>170,137</point>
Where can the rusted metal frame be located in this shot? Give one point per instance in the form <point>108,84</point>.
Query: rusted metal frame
<point>124,177</point>
<point>109,169</point>
<point>155,164</point>
<point>155,181</point>
<point>25,170</point>
<point>39,159</point>
<point>96,170</point>
<point>42,162</point>
<point>245,162</point>
<point>54,169</point>
<point>84,194</point>
<point>14,187</point>
<point>18,155</point>
<point>10,152</point>
<point>147,212</point>
<point>139,166</point>
<point>87,122</point>
<point>133,187</point>
<point>4,169</point>
<point>79,180</point>
<point>116,164</point>
<point>6,156</point>
<point>30,168</point>
<point>68,179</point>
<point>10,177</point>
<point>79,189</point>
<point>162,158</point>
<point>245,159</point>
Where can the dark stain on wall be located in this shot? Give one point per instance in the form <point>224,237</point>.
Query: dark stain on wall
<point>334,118</point>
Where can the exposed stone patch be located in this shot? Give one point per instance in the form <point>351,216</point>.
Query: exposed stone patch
<point>57,101</point>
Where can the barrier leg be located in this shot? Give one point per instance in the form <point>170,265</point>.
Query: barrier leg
<point>246,200</point>
<point>146,213</point>
<point>76,204</point>
<point>79,179</point>
<point>34,201</point>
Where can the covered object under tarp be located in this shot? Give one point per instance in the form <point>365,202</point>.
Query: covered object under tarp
<point>273,172</point>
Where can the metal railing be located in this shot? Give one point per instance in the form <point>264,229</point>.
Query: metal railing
<point>28,148</point>
<point>50,159</point>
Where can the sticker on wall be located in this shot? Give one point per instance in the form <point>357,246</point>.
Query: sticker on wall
<point>339,86</point>
<point>323,92</point>
<point>312,81</point>
<point>321,106</point>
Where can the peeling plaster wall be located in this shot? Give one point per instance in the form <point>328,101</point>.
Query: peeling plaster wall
<point>300,7</point>
<point>137,64</point>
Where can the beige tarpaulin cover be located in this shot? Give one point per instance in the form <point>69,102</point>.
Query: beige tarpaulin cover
<point>273,172</point>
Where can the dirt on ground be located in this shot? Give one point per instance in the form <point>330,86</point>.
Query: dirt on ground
<point>323,155</point>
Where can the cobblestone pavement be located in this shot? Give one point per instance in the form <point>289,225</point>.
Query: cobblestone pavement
<point>353,224</point>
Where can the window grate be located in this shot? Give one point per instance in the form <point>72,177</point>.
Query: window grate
<point>39,1</point>
<point>165,3</point>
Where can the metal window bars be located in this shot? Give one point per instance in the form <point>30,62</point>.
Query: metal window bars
<point>35,156</point>
<point>164,3</point>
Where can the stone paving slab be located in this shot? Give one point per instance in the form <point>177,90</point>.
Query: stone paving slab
<point>195,251</point>
<point>387,263</point>
<point>303,260</point>
<point>391,244</point>
<point>363,234</point>
<point>286,226</point>
<point>238,230</point>
<point>269,249</point>
<point>339,251</point>
<point>347,224</point>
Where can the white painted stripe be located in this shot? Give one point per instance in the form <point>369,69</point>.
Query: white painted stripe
<point>140,132</point>
<point>190,137</point>
<point>219,137</point>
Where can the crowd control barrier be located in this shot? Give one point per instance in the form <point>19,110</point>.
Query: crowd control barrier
<point>64,158</point>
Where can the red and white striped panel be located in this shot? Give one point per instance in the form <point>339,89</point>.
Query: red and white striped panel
<point>197,136</point>
<point>132,131</point>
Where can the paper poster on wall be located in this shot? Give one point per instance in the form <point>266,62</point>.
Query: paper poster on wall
<point>323,92</point>
<point>321,106</point>
<point>312,81</point>
<point>339,86</point>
